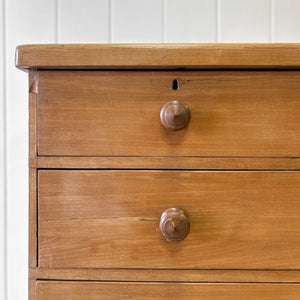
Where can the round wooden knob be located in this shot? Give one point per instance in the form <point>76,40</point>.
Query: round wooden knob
<point>174,225</point>
<point>175,115</point>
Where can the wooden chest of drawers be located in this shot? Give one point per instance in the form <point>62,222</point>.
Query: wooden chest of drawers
<point>164,171</point>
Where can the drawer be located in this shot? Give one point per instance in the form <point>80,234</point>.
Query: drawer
<point>117,113</point>
<point>112,219</point>
<point>46,290</point>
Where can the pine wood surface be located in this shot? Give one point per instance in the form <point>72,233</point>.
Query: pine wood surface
<point>187,163</point>
<point>32,153</point>
<point>110,219</point>
<point>155,275</point>
<point>245,224</point>
<point>237,113</point>
<point>158,56</point>
<point>161,291</point>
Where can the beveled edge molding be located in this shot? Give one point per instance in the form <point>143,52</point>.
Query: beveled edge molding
<point>181,163</point>
<point>159,56</point>
<point>291,276</point>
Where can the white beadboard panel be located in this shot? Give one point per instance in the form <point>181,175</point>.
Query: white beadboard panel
<point>246,21</point>
<point>83,21</point>
<point>2,162</point>
<point>188,21</point>
<point>31,21</point>
<point>286,21</point>
<point>137,21</point>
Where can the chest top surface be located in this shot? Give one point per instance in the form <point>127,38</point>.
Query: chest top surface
<point>158,56</point>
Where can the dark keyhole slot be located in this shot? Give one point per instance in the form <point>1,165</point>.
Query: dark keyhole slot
<point>175,84</point>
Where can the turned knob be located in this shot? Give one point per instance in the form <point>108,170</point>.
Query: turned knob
<point>175,115</point>
<point>174,224</point>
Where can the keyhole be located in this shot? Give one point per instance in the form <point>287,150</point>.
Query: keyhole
<point>175,84</point>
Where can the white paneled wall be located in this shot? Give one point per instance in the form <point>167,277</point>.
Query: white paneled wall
<point>244,21</point>
<point>78,23</point>
<point>190,21</point>
<point>285,21</point>
<point>2,158</point>
<point>25,22</point>
<point>137,21</point>
<point>102,21</point>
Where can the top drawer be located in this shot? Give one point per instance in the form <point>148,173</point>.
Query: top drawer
<point>117,113</point>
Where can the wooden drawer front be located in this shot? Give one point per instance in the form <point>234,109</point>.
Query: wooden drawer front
<point>110,219</point>
<point>106,113</point>
<point>114,290</point>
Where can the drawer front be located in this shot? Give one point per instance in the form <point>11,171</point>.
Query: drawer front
<point>111,219</point>
<point>106,113</point>
<point>114,290</point>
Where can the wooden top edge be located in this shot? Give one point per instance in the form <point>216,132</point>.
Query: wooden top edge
<point>158,56</point>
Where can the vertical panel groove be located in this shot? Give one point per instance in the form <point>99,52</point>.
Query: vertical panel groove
<point>190,21</point>
<point>80,23</point>
<point>163,17</point>
<point>217,21</point>
<point>271,22</point>
<point>137,21</point>
<point>244,21</point>
<point>30,21</point>
<point>5,292</point>
<point>110,21</point>
<point>56,37</point>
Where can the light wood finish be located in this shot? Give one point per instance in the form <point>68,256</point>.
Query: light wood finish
<point>31,288</point>
<point>237,113</point>
<point>103,219</point>
<point>227,170</point>
<point>32,122</point>
<point>167,275</point>
<point>158,56</point>
<point>33,81</point>
<point>212,163</point>
<point>33,89</point>
<point>161,291</point>
<point>32,260</point>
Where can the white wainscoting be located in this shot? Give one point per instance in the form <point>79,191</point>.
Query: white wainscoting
<point>102,21</point>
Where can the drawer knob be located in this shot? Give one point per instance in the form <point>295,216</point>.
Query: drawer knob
<point>175,115</point>
<point>174,224</point>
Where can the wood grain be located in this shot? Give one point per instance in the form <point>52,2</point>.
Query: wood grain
<point>33,84</point>
<point>187,163</point>
<point>241,113</point>
<point>110,219</point>
<point>32,125</point>
<point>32,228</point>
<point>103,225</point>
<point>161,291</point>
<point>32,153</point>
<point>175,115</point>
<point>174,224</point>
<point>31,289</point>
<point>158,56</point>
<point>247,276</point>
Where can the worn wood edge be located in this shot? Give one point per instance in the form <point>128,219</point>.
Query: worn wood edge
<point>33,90</point>
<point>33,81</point>
<point>158,56</point>
<point>188,163</point>
<point>32,289</point>
<point>165,290</point>
<point>167,275</point>
<point>32,117</point>
<point>32,259</point>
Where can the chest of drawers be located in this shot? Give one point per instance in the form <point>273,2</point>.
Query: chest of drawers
<point>163,171</point>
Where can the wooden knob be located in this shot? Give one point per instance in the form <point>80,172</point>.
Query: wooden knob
<point>175,115</point>
<point>174,225</point>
